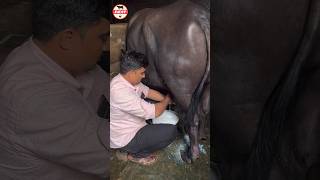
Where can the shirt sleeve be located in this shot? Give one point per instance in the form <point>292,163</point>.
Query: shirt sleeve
<point>143,89</point>
<point>130,102</point>
<point>57,124</point>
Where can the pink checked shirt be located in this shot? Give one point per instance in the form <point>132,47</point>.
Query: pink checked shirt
<point>128,111</point>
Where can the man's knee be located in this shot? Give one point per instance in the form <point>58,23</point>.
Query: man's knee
<point>172,132</point>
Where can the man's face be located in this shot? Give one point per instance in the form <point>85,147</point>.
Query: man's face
<point>89,48</point>
<point>138,75</point>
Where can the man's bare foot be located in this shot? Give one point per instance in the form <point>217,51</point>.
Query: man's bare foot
<point>143,161</point>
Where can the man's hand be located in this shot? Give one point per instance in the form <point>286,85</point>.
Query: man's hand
<point>161,106</point>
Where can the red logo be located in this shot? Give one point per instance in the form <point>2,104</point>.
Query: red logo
<point>120,11</point>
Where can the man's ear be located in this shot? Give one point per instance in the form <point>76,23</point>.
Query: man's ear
<point>67,39</point>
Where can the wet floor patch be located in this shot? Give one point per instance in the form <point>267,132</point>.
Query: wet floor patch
<point>169,166</point>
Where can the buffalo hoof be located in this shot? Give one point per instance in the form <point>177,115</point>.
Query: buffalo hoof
<point>195,152</point>
<point>203,136</point>
<point>189,155</point>
<point>185,157</point>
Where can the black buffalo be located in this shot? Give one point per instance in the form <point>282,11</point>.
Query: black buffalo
<point>175,39</point>
<point>267,89</point>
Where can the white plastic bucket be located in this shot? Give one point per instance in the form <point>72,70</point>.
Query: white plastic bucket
<point>167,117</point>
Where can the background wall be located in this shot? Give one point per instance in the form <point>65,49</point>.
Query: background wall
<point>15,24</point>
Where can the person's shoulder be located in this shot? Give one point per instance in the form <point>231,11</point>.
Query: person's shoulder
<point>119,88</point>
<point>19,60</point>
<point>117,83</point>
<point>20,83</point>
<point>19,53</point>
<point>24,74</point>
<point>115,78</point>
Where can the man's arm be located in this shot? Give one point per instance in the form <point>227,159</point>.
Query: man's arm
<point>155,95</point>
<point>131,103</point>
<point>162,105</point>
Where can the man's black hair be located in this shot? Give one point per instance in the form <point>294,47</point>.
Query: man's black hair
<point>52,16</point>
<point>132,60</point>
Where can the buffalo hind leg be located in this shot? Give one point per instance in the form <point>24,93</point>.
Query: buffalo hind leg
<point>203,112</point>
<point>193,152</point>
